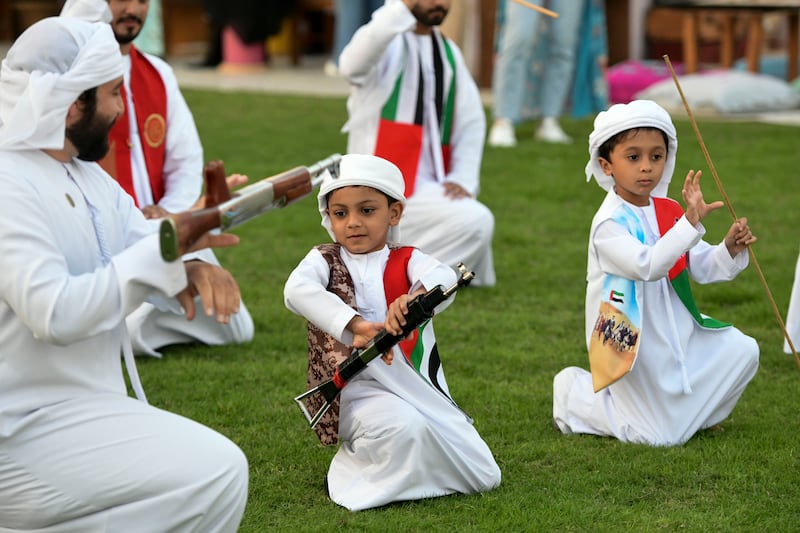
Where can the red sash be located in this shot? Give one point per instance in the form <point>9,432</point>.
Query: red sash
<point>668,212</point>
<point>395,284</point>
<point>150,100</point>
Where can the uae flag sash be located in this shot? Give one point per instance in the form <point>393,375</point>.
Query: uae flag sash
<point>400,128</point>
<point>614,342</point>
<point>420,348</point>
<point>668,211</point>
<point>150,101</point>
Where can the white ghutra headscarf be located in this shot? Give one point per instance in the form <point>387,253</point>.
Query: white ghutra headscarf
<point>90,10</point>
<point>621,117</point>
<point>47,68</point>
<point>366,170</point>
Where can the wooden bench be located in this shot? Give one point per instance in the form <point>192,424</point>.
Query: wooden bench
<point>728,9</point>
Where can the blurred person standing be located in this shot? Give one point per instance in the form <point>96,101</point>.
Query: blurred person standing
<point>544,64</point>
<point>349,16</point>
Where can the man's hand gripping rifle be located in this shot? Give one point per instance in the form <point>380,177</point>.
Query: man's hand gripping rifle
<point>420,309</point>
<point>180,231</point>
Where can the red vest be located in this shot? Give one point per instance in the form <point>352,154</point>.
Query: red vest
<point>150,100</point>
<point>395,284</point>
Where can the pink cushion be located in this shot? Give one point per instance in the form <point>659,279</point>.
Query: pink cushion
<point>627,78</point>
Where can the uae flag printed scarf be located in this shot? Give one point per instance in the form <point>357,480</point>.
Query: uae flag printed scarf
<point>420,347</point>
<point>400,129</point>
<point>615,339</point>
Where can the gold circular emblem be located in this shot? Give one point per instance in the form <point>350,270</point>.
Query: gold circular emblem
<point>155,130</point>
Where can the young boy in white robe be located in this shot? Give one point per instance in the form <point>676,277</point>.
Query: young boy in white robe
<point>689,370</point>
<point>402,436</point>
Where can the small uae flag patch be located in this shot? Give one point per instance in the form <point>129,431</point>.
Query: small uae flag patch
<point>616,296</point>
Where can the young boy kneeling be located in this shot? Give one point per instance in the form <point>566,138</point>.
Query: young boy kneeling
<point>403,437</point>
<point>690,369</point>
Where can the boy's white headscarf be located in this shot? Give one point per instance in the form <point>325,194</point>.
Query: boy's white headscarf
<point>46,69</point>
<point>621,117</point>
<point>367,170</point>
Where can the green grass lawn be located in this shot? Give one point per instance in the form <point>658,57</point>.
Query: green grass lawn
<point>502,346</point>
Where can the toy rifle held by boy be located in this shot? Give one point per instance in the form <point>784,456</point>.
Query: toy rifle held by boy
<point>178,232</point>
<point>420,309</point>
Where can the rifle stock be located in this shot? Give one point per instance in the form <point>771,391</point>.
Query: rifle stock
<point>180,231</point>
<point>420,309</point>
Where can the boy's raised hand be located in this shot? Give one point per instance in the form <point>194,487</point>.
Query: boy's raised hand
<point>739,237</point>
<point>696,207</point>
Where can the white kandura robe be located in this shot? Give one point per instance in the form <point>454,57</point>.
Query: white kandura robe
<point>686,377</point>
<point>453,231</point>
<point>793,315</point>
<point>76,453</point>
<point>155,325</point>
<point>401,439</point>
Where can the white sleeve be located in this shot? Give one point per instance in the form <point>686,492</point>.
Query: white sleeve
<point>427,273</point>
<point>713,263</point>
<point>183,161</point>
<point>621,254</point>
<point>368,44</point>
<point>305,293</point>
<point>56,284</point>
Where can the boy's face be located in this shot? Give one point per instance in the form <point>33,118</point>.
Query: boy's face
<point>636,165</point>
<point>361,218</point>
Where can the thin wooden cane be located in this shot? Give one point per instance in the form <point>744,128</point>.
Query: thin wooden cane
<point>540,9</point>
<point>730,208</point>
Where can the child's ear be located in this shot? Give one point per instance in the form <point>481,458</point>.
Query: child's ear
<point>605,164</point>
<point>395,212</point>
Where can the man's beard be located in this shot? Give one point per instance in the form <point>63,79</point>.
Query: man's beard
<point>90,136</point>
<point>431,17</point>
<point>126,38</point>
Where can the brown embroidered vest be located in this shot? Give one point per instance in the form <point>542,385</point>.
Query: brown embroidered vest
<point>325,352</point>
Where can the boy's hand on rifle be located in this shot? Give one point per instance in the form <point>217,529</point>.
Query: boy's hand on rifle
<point>363,331</point>
<point>396,315</point>
<point>739,237</point>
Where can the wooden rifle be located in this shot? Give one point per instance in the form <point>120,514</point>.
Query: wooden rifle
<point>178,232</point>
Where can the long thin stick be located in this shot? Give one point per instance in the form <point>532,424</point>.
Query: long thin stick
<point>730,208</point>
<point>540,9</point>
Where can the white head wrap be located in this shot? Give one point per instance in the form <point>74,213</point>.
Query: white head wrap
<point>366,170</point>
<point>621,117</point>
<point>88,10</point>
<point>46,69</point>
